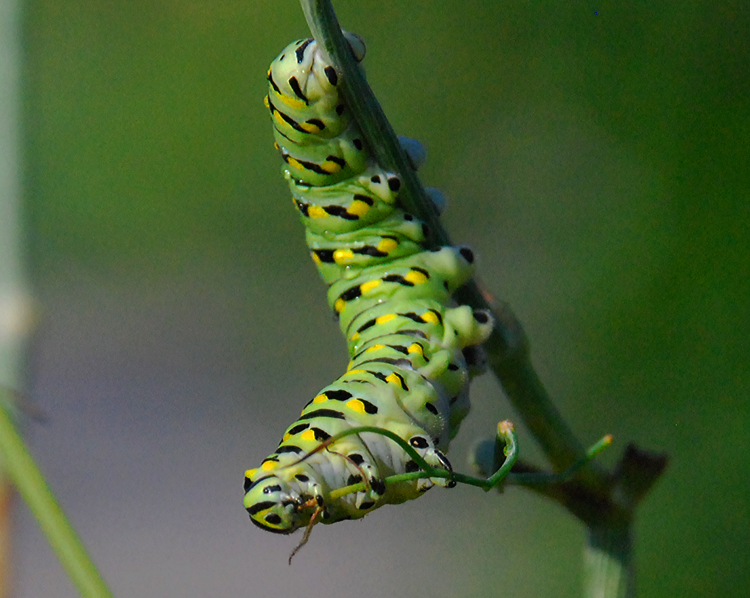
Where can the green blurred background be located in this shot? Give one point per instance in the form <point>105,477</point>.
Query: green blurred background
<point>595,155</point>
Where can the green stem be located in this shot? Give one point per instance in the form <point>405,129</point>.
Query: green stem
<point>506,438</point>
<point>592,494</point>
<point>34,490</point>
<point>609,570</point>
<point>550,479</point>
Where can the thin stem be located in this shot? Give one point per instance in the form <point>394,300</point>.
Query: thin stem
<point>547,479</point>
<point>34,490</point>
<point>506,437</point>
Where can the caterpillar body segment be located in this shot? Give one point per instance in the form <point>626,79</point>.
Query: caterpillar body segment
<point>315,134</point>
<point>348,206</point>
<point>411,347</point>
<point>346,258</point>
<point>434,274</point>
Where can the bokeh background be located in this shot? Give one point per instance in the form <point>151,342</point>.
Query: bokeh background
<point>595,155</point>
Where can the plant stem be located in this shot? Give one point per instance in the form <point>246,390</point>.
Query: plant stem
<point>507,346</point>
<point>593,495</point>
<point>608,562</point>
<point>34,490</point>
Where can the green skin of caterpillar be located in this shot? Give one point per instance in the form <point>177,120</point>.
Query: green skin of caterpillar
<point>392,297</point>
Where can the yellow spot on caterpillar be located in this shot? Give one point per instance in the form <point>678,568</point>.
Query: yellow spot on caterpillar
<point>310,128</point>
<point>339,305</point>
<point>374,348</point>
<point>294,163</point>
<point>295,104</point>
<point>321,398</point>
<point>356,371</point>
<point>356,405</point>
<point>385,318</point>
<point>354,337</point>
<point>307,435</point>
<point>330,167</point>
<point>278,119</point>
<point>394,379</point>
<point>250,473</point>
<point>316,212</point>
<point>358,208</point>
<point>268,465</point>
<point>266,101</point>
<point>416,277</point>
<point>286,437</point>
<point>366,287</point>
<point>387,245</point>
<point>276,146</point>
<point>415,348</point>
<point>341,256</point>
<point>315,258</point>
<point>429,317</point>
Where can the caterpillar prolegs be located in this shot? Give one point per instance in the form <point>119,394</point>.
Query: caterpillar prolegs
<point>411,347</point>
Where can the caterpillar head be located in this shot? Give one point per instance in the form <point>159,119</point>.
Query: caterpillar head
<point>273,506</point>
<point>303,73</point>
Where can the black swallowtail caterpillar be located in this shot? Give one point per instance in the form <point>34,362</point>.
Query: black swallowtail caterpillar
<point>410,346</point>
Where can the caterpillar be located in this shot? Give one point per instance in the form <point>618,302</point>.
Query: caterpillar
<point>412,350</point>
